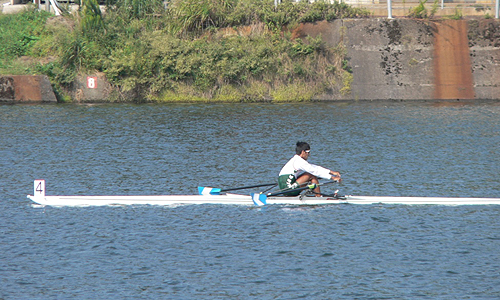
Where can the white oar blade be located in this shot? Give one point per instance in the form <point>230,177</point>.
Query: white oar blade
<point>203,190</point>
<point>259,199</point>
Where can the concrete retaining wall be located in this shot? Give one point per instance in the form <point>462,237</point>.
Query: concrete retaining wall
<point>406,59</point>
<point>92,87</point>
<point>484,47</point>
<point>24,88</point>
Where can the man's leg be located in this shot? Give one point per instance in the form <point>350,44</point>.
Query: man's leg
<point>305,178</point>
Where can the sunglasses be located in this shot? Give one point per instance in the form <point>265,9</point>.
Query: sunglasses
<point>307,151</point>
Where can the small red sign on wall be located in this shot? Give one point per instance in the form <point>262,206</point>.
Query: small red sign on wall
<point>91,82</point>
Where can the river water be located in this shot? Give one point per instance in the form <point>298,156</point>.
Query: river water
<point>239,252</point>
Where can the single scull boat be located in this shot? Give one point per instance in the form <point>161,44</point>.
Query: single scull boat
<point>239,199</point>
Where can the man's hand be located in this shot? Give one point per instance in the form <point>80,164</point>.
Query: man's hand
<point>336,176</point>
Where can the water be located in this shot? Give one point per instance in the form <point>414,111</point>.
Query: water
<point>237,252</point>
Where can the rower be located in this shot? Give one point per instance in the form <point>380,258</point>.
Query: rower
<point>297,171</point>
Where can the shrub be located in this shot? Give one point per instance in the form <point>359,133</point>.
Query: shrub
<point>154,52</point>
<point>19,33</point>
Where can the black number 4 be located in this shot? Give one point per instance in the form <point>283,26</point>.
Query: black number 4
<point>39,187</point>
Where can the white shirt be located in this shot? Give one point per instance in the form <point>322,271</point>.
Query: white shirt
<point>298,166</point>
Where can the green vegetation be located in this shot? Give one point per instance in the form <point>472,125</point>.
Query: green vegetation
<point>421,12</point>
<point>19,33</point>
<point>458,14</point>
<point>191,50</point>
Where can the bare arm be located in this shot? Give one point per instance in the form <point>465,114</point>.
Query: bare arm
<point>335,176</point>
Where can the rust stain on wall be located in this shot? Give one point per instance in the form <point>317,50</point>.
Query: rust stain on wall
<point>452,65</point>
<point>26,88</point>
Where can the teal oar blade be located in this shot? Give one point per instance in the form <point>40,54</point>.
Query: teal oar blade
<point>259,199</point>
<point>202,190</point>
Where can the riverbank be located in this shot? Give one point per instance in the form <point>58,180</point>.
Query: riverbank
<point>398,59</point>
<point>342,59</point>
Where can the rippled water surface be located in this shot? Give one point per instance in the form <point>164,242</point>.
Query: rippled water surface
<point>240,252</point>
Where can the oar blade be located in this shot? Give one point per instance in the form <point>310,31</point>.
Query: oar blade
<point>204,190</point>
<point>259,199</point>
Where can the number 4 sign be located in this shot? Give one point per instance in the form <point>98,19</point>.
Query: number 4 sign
<point>39,188</point>
<point>91,82</point>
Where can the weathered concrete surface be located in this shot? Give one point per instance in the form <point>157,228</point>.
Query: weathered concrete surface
<point>484,45</point>
<point>25,88</point>
<point>390,59</point>
<point>407,59</point>
<point>92,87</point>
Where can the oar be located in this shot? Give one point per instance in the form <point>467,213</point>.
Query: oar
<point>249,187</point>
<point>202,190</point>
<point>261,199</point>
